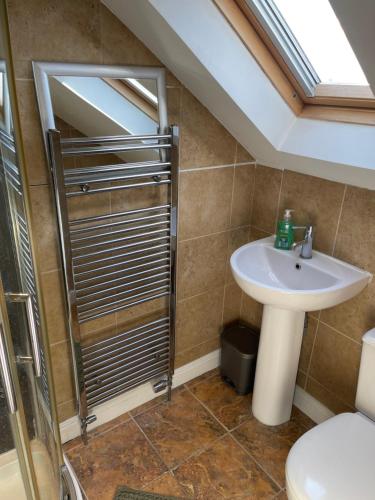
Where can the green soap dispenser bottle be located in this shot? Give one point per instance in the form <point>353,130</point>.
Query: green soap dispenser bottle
<point>285,233</point>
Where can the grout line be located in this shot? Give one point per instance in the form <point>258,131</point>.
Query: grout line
<point>339,220</point>
<point>184,299</point>
<point>223,301</point>
<point>312,348</point>
<point>244,163</point>
<point>333,394</point>
<point>59,342</point>
<point>232,197</point>
<point>228,230</point>
<point>198,452</point>
<point>150,443</point>
<point>228,165</point>
<point>235,153</point>
<point>283,490</point>
<point>241,305</point>
<point>252,196</point>
<point>256,461</point>
<point>339,332</point>
<point>227,257</point>
<point>267,233</point>
<point>209,411</point>
<point>197,345</point>
<point>279,200</point>
<point>208,376</point>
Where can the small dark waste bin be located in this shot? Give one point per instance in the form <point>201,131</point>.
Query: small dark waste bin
<point>239,348</point>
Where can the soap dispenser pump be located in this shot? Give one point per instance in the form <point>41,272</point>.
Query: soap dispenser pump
<point>285,232</point>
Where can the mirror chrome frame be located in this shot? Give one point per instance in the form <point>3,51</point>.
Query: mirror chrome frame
<point>42,70</point>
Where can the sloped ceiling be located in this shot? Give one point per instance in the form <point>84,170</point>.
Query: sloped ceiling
<point>192,38</point>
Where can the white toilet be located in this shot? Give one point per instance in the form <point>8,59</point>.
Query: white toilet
<point>336,459</point>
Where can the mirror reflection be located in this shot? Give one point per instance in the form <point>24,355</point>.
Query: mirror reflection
<point>95,107</point>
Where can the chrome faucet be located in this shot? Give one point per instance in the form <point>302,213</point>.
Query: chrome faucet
<point>306,243</point>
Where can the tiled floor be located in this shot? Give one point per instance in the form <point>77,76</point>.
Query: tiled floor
<point>205,445</point>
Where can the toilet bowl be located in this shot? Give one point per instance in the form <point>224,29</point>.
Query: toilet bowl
<point>336,459</point>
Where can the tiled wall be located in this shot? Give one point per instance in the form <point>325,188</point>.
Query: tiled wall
<point>215,181</point>
<point>225,201</point>
<point>343,217</point>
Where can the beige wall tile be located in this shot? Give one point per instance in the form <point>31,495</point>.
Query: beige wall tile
<point>251,311</point>
<point>199,319</point>
<point>119,44</point>
<point>54,31</point>
<point>196,352</point>
<point>52,287</point>
<point>232,303</point>
<point>354,317</point>
<point>301,379</point>
<point>236,238</point>
<point>242,155</point>
<point>307,344</point>
<point>89,205</point>
<point>205,200</point>
<point>204,141</point>
<point>243,190</point>
<point>62,372</point>
<point>266,198</point>
<point>258,234</point>
<point>138,198</point>
<point>335,363</point>
<point>316,201</point>
<point>174,97</point>
<point>201,264</point>
<point>356,234</point>
<point>326,397</point>
<point>141,312</point>
<point>44,228</point>
<point>35,157</point>
<point>99,328</point>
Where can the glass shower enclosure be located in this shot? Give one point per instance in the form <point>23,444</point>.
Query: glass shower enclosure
<point>31,460</point>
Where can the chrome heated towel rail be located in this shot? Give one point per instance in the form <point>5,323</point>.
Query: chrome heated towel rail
<point>116,261</point>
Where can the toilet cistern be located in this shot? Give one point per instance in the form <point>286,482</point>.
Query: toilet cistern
<point>288,286</point>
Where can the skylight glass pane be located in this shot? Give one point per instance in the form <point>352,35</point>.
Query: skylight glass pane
<point>319,33</point>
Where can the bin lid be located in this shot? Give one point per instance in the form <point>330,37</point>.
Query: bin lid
<point>242,337</point>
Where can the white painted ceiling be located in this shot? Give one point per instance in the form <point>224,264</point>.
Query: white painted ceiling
<point>193,39</point>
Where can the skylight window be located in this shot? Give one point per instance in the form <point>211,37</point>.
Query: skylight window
<point>320,35</point>
<point>311,41</point>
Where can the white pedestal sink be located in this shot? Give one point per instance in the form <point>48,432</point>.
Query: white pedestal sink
<point>288,286</point>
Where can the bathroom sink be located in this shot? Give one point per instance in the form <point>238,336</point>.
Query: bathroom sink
<point>281,278</point>
<point>288,286</point>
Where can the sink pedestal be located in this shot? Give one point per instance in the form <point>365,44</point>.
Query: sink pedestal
<point>277,364</point>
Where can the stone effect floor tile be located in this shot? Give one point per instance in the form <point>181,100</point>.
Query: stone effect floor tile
<point>166,484</point>
<point>122,456</point>
<point>201,378</point>
<point>227,406</point>
<point>224,471</point>
<point>180,449</point>
<point>269,445</point>
<point>179,428</point>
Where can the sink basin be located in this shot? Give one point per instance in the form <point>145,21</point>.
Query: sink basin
<point>283,279</point>
<point>288,286</point>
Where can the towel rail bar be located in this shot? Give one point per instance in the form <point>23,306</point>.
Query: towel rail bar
<point>115,262</point>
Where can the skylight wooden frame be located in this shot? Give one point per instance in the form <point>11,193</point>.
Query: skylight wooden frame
<point>347,103</point>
